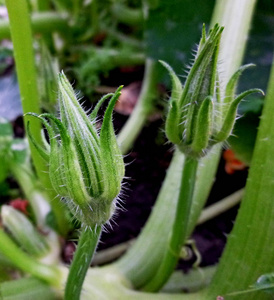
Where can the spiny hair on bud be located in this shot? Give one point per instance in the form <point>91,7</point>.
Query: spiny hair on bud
<point>90,216</point>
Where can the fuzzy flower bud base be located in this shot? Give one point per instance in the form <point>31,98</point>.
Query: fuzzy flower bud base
<point>86,167</point>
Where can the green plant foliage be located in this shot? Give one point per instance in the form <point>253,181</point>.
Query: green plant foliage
<point>164,25</point>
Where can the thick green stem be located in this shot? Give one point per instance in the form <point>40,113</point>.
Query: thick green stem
<point>21,34</point>
<point>82,258</point>
<point>179,230</point>
<point>28,264</point>
<point>249,251</point>
<point>141,111</point>
<point>159,225</point>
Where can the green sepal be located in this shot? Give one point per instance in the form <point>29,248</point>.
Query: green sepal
<point>44,141</point>
<point>61,128</point>
<point>203,126</point>
<point>55,157</point>
<point>230,117</point>
<point>172,126</point>
<point>177,88</point>
<point>202,40</point>
<point>112,161</point>
<point>44,153</point>
<point>95,110</point>
<point>232,83</point>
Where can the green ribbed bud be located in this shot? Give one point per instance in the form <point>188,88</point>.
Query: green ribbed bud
<point>86,167</point>
<point>198,116</point>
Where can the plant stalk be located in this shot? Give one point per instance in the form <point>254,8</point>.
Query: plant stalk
<point>249,251</point>
<point>20,27</point>
<point>87,245</point>
<point>137,119</point>
<point>179,230</point>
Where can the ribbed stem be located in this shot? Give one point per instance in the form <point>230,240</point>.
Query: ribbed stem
<point>82,258</point>
<point>249,251</point>
<point>179,230</point>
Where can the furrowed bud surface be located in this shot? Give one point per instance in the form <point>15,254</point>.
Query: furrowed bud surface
<point>199,118</point>
<point>86,167</point>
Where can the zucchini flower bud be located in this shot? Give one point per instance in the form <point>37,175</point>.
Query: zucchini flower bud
<point>86,167</point>
<point>199,117</point>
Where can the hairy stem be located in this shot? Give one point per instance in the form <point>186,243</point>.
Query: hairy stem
<point>82,258</point>
<point>179,230</point>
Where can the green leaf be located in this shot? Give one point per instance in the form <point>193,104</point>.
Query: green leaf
<point>173,28</point>
<point>112,161</point>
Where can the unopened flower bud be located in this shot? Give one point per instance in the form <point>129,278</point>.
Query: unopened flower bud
<point>86,167</point>
<point>198,116</point>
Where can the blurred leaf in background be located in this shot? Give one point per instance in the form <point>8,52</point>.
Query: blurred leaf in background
<point>166,27</point>
<point>260,52</point>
